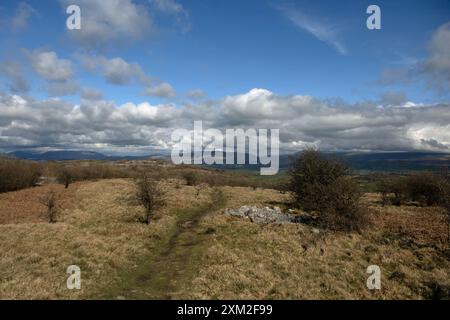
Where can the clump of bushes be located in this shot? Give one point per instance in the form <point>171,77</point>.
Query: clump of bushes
<point>65,176</point>
<point>150,195</point>
<point>426,189</point>
<point>324,186</point>
<point>191,178</point>
<point>18,174</point>
<point>393,191</point>
<point>69,173</point>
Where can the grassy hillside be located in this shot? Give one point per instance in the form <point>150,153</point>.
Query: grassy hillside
<point>193,250</point>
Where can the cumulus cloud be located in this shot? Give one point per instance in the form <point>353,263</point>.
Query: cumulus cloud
<point>103,22</point>
<point>302,120</point>
<point>162,90</point>
<point>48,66</point>
<point>115,70</point>
<point>23,13</point>
<point>56,72</point>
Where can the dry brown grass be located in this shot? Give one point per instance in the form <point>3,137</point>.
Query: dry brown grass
<point>26,206</point>
<point>100,235</point>
<point>250,261</point>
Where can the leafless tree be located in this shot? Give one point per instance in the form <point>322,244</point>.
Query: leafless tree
<point>149,194</point>
<point>50,201</point>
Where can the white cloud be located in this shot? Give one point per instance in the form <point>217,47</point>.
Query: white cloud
<point>302,120</point>
<point>57,73</point>
<point>23,13</point>
<point>321,31</point>
<point>115,70</point>
<point>434,70</point>
<point>162,90</point>
<point>438,63</point>
<point>103,22</point>
<point>49,67</point>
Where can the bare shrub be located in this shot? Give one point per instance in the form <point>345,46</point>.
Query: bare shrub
<point>323,185</point>
<point>393,191</point>
<point>65,176</point>
<point>50,201</point>
<point>191,178</point>
<point>426,189</point>
<point>340,208</point>
<point>18,174</point>
<point>149,194</point>
<point>310,172</point>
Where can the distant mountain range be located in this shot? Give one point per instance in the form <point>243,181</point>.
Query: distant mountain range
<point>373,161</point>
<point>71,155</point>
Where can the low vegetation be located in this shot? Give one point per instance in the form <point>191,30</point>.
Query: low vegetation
<point>324,186</point>
<point>424,189</point>
<point>187,247</point>
<point>150,195</point>
<point>17,174</point>
<point>50,202</point>
<point>191,178</point>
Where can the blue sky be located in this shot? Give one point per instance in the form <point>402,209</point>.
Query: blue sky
<point>230,47</point>
<point>162,53</point>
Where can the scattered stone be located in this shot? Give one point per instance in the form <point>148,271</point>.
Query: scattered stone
<point>120,298</point>
<point>315,230</point>
<point>262,215</point>
<point>187,224</point>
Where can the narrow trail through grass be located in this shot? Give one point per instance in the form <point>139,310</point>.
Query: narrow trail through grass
<point>166,273</point>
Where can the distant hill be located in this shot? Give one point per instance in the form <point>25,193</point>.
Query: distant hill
<point>387,161</point>
<point>70,155</point>
<point>373,161</point>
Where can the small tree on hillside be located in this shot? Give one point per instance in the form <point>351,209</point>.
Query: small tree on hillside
<point>65,176</point>
<point>149,194</point>
<point>323,185</point>
<point>49,200</point>
<point>308,174</point>
<point>191,178</point>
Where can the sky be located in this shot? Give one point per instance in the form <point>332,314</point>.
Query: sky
<point>139,69</point>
